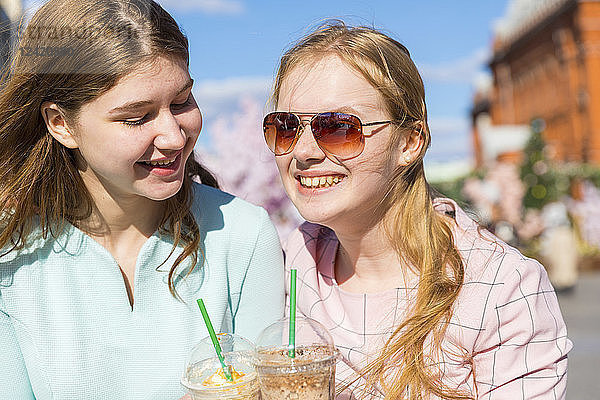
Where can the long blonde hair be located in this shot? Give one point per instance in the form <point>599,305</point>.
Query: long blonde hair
<point>71,52</point>
<point>421,236</point>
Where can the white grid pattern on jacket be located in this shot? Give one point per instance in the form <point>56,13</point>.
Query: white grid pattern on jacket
<point>507,330</point>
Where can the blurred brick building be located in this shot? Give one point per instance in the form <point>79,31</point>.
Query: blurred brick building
<point>546,65</point>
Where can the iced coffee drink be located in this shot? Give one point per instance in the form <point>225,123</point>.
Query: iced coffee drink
<point>308,376</point>
<point>305,372</point>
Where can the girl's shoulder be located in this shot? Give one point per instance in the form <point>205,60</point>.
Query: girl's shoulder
<point>35,241</point>
<point>230,225</point>
<point>25,260</point>
<point>216,209</point>
<point>488,260</point>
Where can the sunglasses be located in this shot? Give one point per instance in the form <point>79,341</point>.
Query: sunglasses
<point>337,134</point>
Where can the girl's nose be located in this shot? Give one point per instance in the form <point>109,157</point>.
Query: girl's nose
<point>306,148</point>
<point>170,135</point>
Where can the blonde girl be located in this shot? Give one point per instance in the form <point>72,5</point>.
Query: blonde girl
<point>420,301</point>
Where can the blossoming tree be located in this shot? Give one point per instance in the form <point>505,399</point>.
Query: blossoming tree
<point>243,165</point>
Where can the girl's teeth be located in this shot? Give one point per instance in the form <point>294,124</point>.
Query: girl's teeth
<point>159,163</point>
<point>319,182</point>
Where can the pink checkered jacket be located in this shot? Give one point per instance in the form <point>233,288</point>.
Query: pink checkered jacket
<point>506,338</point>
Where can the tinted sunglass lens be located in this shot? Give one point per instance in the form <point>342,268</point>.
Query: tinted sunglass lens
<point>339,134</point>
<point>280,130</point>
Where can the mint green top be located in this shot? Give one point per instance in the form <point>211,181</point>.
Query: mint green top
<point>67,330</point>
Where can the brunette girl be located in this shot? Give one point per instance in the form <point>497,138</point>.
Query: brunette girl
<point>106,240</point>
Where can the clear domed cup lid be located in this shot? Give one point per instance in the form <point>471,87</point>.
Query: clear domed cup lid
<point>203,362</point>
<point>313,343</point>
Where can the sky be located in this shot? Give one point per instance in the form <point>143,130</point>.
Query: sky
<point>235,46</point>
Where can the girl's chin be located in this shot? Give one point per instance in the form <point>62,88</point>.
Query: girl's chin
<point>312,214</point>
<point>165,192</point>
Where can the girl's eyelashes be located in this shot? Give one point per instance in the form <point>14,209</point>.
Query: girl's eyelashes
<point>146,118</point>
<point>181,106</point>
<point>135,122</point>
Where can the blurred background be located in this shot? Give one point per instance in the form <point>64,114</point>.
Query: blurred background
<point>513,93</point>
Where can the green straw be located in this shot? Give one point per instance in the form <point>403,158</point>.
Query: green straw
<point>292,335</point>
<point>213,337</point>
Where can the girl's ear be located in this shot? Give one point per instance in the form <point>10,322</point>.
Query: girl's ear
<point>411,146</point>
<point>56,124</point>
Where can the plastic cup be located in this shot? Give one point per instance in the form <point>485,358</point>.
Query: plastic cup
<point>310,375</point>
<point>238,352</point>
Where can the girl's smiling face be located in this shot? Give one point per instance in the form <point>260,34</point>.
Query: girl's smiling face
<point>134,140</point>
<point>344,194</point>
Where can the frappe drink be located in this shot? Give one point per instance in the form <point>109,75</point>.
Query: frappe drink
<point>308,375</point>
<point>205,379</point>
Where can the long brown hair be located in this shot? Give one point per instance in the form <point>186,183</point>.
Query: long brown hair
<point>71,52</point>
<point>421,236</point>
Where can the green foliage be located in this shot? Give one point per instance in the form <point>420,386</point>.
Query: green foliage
<point>450,189</point>
<point>542,184</point>
<point>546,181</point>
<point>587,172</point>
<point>454,189</point>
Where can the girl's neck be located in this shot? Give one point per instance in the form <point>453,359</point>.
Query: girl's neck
<point>115,214</point>
<point>367,263</point>
<point>119,217</point>
<point>119,220</point>
<point>122,227</point>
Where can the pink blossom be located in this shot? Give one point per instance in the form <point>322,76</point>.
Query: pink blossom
<point>245,167</point>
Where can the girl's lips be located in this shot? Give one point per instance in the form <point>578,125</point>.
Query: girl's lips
<point>163,170</point>
<point>320,183</point>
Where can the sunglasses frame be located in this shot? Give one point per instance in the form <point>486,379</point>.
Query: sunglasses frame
<point>313,115</point>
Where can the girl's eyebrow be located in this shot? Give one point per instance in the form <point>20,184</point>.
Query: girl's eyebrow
<point>143,103</point>
<point>130,106</point>
<point>188,85</point>
<point>343,109</point>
